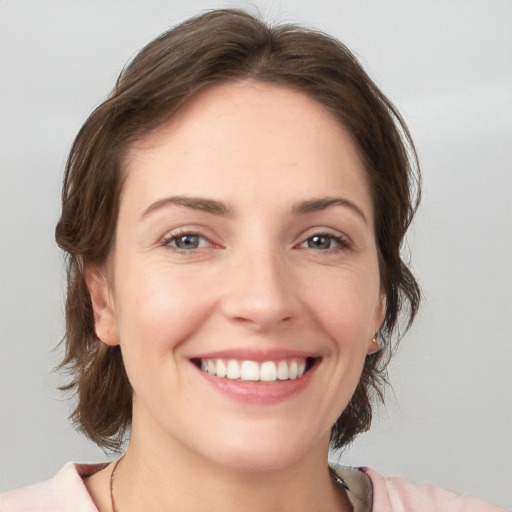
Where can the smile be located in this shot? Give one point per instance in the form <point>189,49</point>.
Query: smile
<point>256,371</point>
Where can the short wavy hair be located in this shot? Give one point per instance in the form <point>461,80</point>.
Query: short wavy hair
<point>218,47</point>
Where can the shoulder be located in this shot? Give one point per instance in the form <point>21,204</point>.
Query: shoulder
<point>398,494</point>
<point>64,492</point>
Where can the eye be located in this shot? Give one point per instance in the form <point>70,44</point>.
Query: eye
<point>186,242</point>
<point>324,242</point>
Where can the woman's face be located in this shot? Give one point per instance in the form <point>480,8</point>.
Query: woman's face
<point>243,286</point>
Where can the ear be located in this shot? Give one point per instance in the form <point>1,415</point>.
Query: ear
<point>105,321</point>
<point>380,315</point>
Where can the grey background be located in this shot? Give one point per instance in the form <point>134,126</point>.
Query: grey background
<point>448,67</point>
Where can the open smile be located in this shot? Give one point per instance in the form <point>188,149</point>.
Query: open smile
<point>256,371</point>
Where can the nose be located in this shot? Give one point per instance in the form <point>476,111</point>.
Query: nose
<point>260,291</point>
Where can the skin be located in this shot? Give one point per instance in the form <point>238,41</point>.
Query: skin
<point>258,281</point>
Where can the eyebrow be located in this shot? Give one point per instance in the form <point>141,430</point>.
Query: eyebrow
<point>219,208</point>
<point>195,203</point>
<point>322,203</point>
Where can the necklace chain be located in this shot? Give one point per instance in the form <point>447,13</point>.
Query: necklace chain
<point>341,483</point>
<point>112,502</point>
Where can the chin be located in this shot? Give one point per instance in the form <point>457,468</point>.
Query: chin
<point>265,451</point>
<point>251,460</point>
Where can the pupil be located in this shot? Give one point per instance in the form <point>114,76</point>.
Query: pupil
<point>320,242</point>
<point>187,242</point>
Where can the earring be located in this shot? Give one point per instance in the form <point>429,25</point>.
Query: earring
<point>375,341</point>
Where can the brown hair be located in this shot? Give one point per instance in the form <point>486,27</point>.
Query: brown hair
<point>220,46</point>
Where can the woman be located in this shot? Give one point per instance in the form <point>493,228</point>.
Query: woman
<point>233,216</point>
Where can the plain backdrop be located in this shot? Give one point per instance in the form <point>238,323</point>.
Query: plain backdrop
<point>448,67</point>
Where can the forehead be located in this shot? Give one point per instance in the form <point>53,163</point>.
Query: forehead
<point>247,135</point>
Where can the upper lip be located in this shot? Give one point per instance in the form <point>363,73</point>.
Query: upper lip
<point>256,354</point>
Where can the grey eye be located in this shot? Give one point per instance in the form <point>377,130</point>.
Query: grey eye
<point>188,241</point>
<point>320,242</point>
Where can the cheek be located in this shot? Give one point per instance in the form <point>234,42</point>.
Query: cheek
<point>160,309</point>
<point>160,312</point>
<point>346,304</point>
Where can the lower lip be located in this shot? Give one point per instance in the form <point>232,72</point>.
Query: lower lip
<point>264,393</point>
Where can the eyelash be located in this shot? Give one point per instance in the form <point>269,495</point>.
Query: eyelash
<point>342,242</point>
<point>173,237</point>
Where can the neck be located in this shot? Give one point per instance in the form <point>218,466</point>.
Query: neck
<point>156,479</point>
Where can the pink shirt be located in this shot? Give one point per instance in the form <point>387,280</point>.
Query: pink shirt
<point>368,491</point>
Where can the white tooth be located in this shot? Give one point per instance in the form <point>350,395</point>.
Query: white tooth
<point>211,367</point>
<point>268,371</point>
<point>282,370</point>
<point>302,368</point>
<point>293,370</point>
<point>220,368</point>
<point>250,370</point>
<point>204,365</point>
<point>233,369</point>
